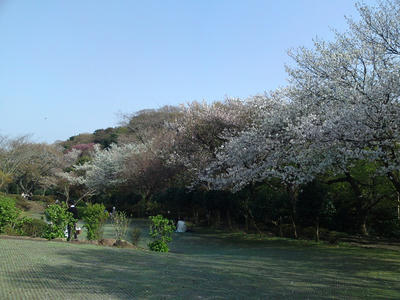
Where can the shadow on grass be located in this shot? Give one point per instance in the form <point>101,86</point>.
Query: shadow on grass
<point>208,267</point>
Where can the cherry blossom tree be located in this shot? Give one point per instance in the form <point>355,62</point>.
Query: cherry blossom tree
<point>62,178</point>
<point>268,149</point>
<point>203,128</point>
<point>349,88</point>
<point>12,157</point>
<point>104,170</point>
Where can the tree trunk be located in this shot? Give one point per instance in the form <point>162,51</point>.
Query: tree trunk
<point>246,220</point>
<point>395,181</point>
<point>66,194</point>
<point>317,229</point>
<point>217,218</point>
<point>363,212</point>
<point>364,229</point>
<point>398,206</point>
<point>228,219</point>
<point>208,218</point>
<point>293,194</point>
<point>195,216</point>
<point>294,227</point>
<point>253,221</point>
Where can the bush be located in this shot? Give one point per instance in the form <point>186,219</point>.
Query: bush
<point>135,235</point>
<point>121,224</point>
<point>8,213</point>
<point>20,202</point>
<point>31,227</point>
<point>158,246</point>
<point>59,218</point>
<point>161,230</point>
<point>10,230</point>
<point>94,216</point>
<point>387,228</point>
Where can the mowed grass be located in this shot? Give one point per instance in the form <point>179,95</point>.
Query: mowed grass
<point>200,266</point>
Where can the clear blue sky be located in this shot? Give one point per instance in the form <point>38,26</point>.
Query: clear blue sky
<point>68,67</point>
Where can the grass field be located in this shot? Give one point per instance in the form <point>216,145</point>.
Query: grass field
<point>200,266</point>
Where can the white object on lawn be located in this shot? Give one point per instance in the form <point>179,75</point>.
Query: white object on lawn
<point>181,226</point>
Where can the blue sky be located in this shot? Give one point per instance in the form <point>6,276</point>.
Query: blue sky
<point>68,67</point>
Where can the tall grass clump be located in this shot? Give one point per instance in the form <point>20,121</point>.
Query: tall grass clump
<point>120,223</point>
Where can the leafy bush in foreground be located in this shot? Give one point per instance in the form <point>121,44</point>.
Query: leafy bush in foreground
<point>31,227</point>
<point>94,216</point>
<point>59,218</point>
<point>161,230</point>
<point>8,213</point>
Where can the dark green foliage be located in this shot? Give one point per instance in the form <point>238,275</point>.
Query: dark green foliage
<point>94,216</point>
<point>105,137</point>
<point>20,202</point>
<point>8,213</point>
<point>314,204</point>
<point>384,219</point>
<point>161,230</point>
<point>31,227</point>
<point>83,159</point>
<point>59,218</point>
<point>158,246</point>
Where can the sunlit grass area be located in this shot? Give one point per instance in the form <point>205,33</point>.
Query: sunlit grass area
<point>199,266</point>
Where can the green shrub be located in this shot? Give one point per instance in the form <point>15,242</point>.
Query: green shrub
<point>161,230</point>
<point>8,213</point>
<point>20,202</point>
<point>59,218</point>
<point>158,246</point>
<point>94,216</point>
<point>121,224</point>
<point>135,235</point>
<point>31,227</point>
<point>81,209</point>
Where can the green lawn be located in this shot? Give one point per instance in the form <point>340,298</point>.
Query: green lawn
<point>200,266</point>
